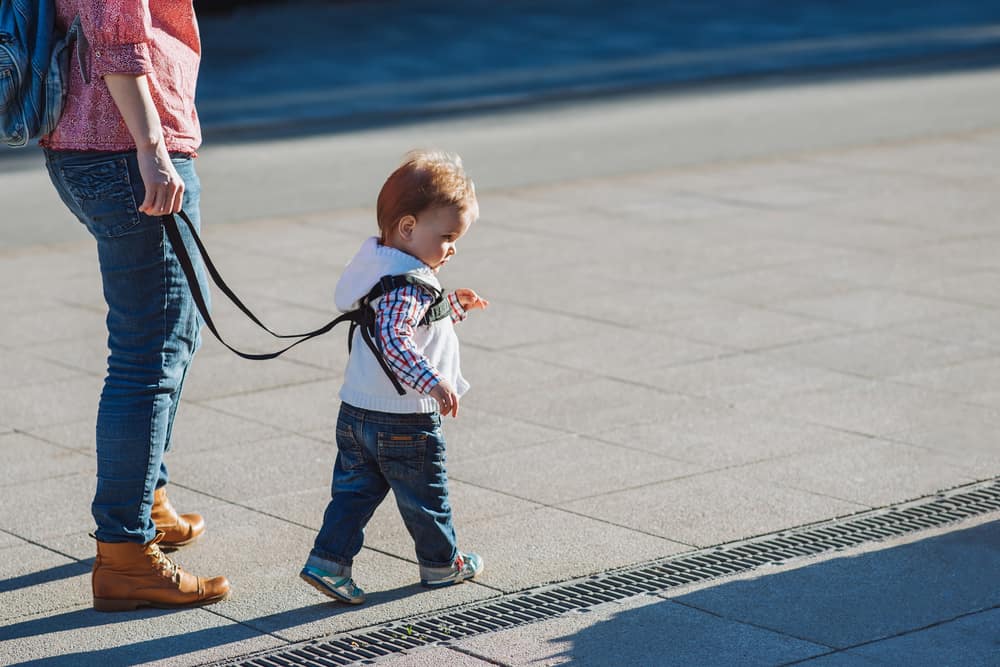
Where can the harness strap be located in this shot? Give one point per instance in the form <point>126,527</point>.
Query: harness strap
<point>362,318</point>
<point>180,249</point>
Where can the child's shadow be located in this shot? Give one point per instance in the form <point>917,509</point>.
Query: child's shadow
<point>175,645</point>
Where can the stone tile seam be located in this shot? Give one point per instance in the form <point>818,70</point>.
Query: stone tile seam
<point>758,626</point>
<point>904,633</point>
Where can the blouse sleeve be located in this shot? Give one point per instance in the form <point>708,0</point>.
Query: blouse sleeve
<point>119,37</point>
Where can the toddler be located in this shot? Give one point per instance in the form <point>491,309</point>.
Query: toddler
<point>397,386</point>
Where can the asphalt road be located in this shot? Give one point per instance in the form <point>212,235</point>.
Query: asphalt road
<point>557,142</point>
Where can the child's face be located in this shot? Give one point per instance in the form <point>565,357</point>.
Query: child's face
<point>432,235</point>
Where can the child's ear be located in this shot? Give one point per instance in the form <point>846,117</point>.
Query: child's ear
<point>406,226</point>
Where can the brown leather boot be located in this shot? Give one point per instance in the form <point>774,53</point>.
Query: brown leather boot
<point>128,575</point>
<point>177,529</point>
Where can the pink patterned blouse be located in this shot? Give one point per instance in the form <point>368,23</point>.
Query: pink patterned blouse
<point>158,38</point>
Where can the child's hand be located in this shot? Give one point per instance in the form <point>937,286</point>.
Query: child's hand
<point>470,300</point>
<point>446,398</point>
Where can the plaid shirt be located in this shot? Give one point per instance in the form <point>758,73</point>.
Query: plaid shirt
<point>396,315</point>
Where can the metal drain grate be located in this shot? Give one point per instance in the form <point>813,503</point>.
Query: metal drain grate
<point>654,577</point>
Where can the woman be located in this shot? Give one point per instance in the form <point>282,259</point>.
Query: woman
<point>121,157</point>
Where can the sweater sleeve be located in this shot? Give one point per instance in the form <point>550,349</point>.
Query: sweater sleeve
<point>119,36</point>
<point>396,315</point>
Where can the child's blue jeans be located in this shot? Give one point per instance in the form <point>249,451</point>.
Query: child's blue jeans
<point>378,451</point>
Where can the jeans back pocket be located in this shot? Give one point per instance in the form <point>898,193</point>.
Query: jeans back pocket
<point>402,454</point>
<point>103,191</point>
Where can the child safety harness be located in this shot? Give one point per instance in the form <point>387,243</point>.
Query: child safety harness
<point>361,318</point>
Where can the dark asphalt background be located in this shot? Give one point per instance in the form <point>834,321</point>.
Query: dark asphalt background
<point>281,63</point>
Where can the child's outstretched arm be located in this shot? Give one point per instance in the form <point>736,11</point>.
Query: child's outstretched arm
<point>462,301</point>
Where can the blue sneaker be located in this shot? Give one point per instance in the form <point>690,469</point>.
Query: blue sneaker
<point>466,566</point>
<point>332,579</point>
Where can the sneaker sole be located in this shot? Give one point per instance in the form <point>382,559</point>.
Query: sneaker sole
<point>445,584</point>
<point>322,588</point>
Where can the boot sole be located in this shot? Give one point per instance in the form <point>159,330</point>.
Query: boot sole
<point>104,604</point>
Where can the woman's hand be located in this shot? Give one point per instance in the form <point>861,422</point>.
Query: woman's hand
<point>470,300</point>
<point>446,397</point>
<point>164,187</point>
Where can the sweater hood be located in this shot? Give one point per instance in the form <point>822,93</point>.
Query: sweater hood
<point>371,262</point>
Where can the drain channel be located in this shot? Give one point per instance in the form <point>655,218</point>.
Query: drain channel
<point>654,577</point>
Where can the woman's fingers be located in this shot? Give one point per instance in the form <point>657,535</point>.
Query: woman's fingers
<point>178,199</point>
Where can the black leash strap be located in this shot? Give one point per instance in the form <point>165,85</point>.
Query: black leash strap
<point>180,249</point>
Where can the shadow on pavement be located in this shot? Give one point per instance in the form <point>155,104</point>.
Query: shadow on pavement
<point>161,648</point>
<point>932,602</point>
<point>57,573</point>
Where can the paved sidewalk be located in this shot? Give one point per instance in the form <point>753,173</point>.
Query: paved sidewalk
<point>673,359</point>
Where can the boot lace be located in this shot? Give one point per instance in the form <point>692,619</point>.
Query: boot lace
<point>166,567</point>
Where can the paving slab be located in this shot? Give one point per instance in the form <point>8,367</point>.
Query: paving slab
<point>22,370</point>
<point>587,467</point>
<point>740,376</point>
<point>746,328</point>
<point>761,287</point>
<point>219,376</point>
<point>434,656</point>
<point>299,408</point>
<point>51,403</point>
<point>967,379</point>
<point>66,501</point>
<point>872,308</point>
<point>620,353</point>
<point>85,355</point>
<point>82,636</point>
<point>716,435</point>
<point>588,407</point>
<point>235,472</point>
<point>879,354</point>
<point>980,329</point>
<point>869,472</point>
<point>876,595</point>
<point>968,640</point>
<point>739,508</point>
<point>876,408</point>
<point>28,459</point>
<point>35,580</point>
<point>962,440</point>
<point>496,373</point>
<point>640,631</point>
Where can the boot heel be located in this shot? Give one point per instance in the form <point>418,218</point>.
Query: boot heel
<point>104,604</point>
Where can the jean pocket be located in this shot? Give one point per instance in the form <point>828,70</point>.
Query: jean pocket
<point>352,456</point>
<point>402,455</point>
<point>104,192</point>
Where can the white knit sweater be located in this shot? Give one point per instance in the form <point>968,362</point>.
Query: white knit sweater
<point>365,383</point>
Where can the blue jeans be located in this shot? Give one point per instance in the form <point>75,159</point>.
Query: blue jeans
<point>378,451</point>
<point>153,330</point>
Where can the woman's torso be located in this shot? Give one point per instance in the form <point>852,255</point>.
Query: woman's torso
<point>159,38</point>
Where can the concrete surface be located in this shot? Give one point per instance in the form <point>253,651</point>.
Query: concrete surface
<point>696,350</point>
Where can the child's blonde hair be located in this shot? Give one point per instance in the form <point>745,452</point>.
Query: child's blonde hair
<point>426,179</point>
